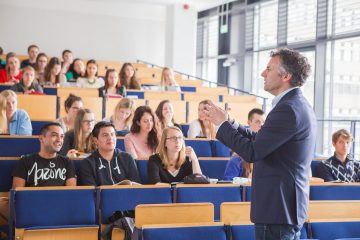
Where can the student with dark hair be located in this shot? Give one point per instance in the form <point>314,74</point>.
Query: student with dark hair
<point>165,114</point>
<point>128,77</point>
<point>91,79</point>
<point>33,51</point>
<point>173,161</point>
<point>107,165</point>
<point>142,140</point>
<point>46,168</point>
<point>340,167</point>
<point>112,88</point>
<point>12,72</point>
<point>78,141</point>
<point>27,84</point>
<point>53,76</point>
<point>40,66</point>
<point>67,60</point>
<point>76,70</point>
<point>72,105</point>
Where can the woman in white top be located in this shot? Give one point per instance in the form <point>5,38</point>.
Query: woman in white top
<point>122,117</point>
<point>91,80</point>
<point>168,82</point>
<point>201,128</point>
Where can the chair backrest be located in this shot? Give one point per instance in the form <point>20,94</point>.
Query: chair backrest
<point>314,166</point>
<point>242,231</point>
<point>14,146</point>
<point>213,167</point>
<point>214,193</point>
<point>220,150</point>
<point>122,198</point>
<point>335,191</point>
<point>173,213</point>
<point>7,165</point>
<point>235,212</point>
<point>240,110</point>
<point>335,229</point>
<point>142,168</point>
<point>39,107</point>
<point>54,206</point>
<point>334,209</point>
<point>208,231</point>
<point>120,144</point>
<point>37,125</point>
<point>212,90</point>
<point>81,92</point>
<point>202,147</point>
<point>239,98</point>
<point>149,95</point>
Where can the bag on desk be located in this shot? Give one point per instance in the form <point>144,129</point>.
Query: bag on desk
<point>196,178</point>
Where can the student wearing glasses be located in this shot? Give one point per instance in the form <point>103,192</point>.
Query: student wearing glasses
<point>78,141</point>
<point>173,161</point>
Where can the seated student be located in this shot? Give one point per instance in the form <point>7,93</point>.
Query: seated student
<point>173,161</point>
<point>112,88</point>
<point>128,78</point>
<point>340,167</point>
<point>2,61</point>
<point>46,168</point>
<point>67,60</point>
<point>27,84</point>
<point>72,105</point>
<point>237,167</point>
<point>142,140</point>
<point>53,76</point>
<point>17,120</point>
<point>78,141</point>
<point>33,51</point>
<point>122,116</point>
<point>168,82</point>
<point>40,66</point>
<point>12,72</point>
<point>91,80</point>
<point>165,114</point>
<point>201,127</point>
<point>107,165</point>
<point>76,70</point>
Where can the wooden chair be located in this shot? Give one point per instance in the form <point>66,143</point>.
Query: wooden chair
<point>239,111</point>
<point>239,98</point>
<point>148,95</point>
<point>235,212</point>
<point>196,97</point>
<point>39,107</point>
<point>173,213</point>
<point>346,209</point>
<point>81,92</point>
<point>103,66</point>
<point>212,90</point>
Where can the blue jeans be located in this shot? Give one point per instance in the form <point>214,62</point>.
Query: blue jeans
<point>277,232</point>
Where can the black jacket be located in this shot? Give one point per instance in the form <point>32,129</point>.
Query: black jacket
<point>96,171</point>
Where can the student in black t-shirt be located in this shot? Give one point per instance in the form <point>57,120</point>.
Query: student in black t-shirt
<point>107,165</point>
<point>46,168</point>
<point>173,161</point>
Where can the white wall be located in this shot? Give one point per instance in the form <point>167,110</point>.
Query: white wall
<point>181,26</point>
<point>107,29</point>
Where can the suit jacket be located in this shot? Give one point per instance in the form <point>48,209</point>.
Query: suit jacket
<point>281,152</point>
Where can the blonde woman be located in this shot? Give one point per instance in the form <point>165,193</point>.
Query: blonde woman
<point>3,119</point>
<point>168,82</point>
<point>18,120</point>
<point>122,117</point>
<point>78,141</point>
<point>173,161</point>
<point>201,127</point>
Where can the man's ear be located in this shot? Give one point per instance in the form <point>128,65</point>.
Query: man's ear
<point>95,140</point>
<point>287,77</point>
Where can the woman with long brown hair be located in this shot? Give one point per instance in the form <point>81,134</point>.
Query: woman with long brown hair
<point>128,77</point>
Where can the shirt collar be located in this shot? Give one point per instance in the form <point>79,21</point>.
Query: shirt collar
<point>14,117</point>
<point>277,99</point>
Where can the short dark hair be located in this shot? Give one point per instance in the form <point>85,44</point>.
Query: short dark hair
<point>46,127</point>
<point>99,126</point>
<point>294,63</point>
<point>255,111</point>
<point>70,101</point>
<point>32,46</point>
<point>66,51</point>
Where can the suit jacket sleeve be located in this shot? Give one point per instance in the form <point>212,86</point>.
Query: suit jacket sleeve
<point>280,126</point>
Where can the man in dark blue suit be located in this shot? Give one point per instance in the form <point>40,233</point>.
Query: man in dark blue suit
<point>281,151</point>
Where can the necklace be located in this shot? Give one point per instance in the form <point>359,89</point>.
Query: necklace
<point>93,82</point>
